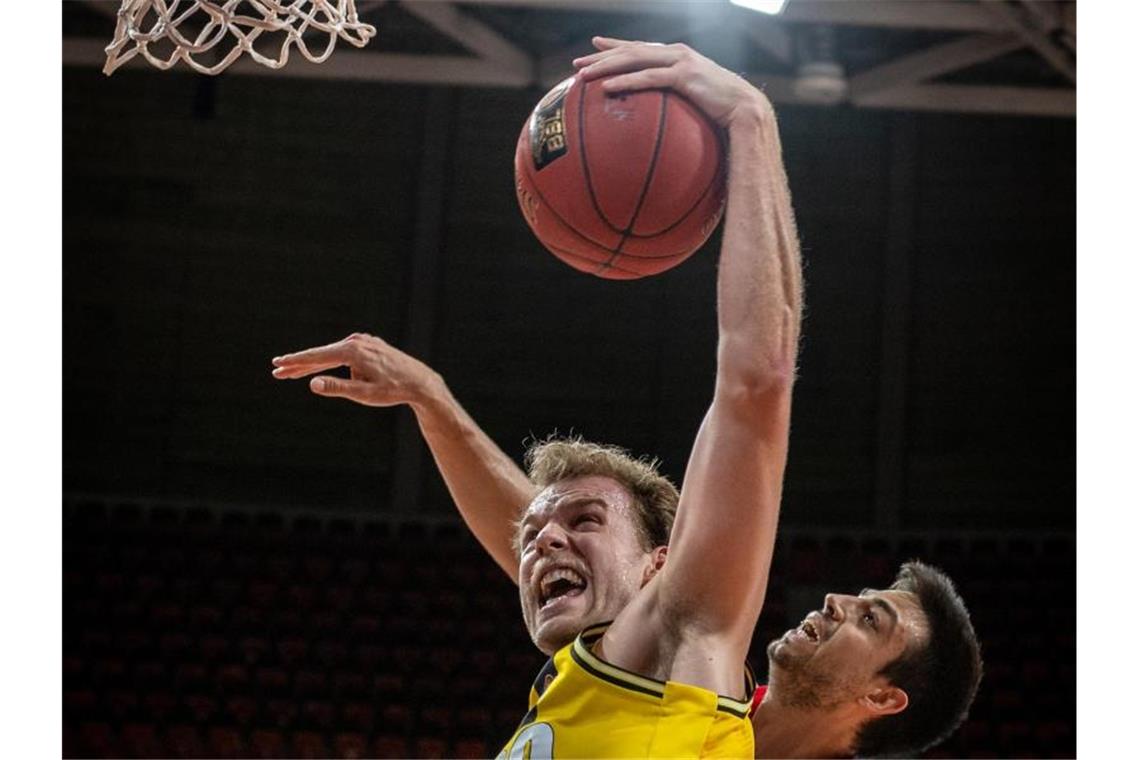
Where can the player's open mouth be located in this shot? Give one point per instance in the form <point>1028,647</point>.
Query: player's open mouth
<point>559,583</point>
<point>809,630</point>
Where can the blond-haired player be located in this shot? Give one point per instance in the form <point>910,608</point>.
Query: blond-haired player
<point>648,630</point>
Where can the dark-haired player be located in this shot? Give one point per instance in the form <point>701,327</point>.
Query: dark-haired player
<point>884,672</point>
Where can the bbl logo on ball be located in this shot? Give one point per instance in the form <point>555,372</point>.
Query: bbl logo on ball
<point>548,126</point>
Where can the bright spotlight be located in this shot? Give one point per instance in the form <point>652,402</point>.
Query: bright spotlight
<point>771,7</point>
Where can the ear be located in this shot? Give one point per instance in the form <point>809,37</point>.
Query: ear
<point>657,561</point>
<point>885,700</point>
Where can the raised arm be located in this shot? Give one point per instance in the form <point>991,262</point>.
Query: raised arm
<point>722,542</point>
<point>487,486</point>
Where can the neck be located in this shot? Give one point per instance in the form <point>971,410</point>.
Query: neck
<point>785,731</point>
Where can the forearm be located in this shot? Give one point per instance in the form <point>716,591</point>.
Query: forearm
<point>759,288</point>
<point>487,486</point>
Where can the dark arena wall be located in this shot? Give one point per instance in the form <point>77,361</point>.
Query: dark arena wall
<point>251,570</point>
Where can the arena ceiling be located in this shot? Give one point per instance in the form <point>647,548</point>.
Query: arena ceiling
<point>1015,57</point>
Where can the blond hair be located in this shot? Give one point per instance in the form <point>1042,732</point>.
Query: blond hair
<point>654,495</point>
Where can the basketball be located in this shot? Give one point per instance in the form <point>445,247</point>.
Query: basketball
<point>619,186</point>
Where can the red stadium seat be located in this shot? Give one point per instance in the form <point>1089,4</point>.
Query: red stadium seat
<point>330,653</point>
<point>309,745</point>
<point>470,749</point>
<point>359,715</point>
<point>310,683</point>
<point>473,719</point>
<point>390,745</point>
<point>110,671</point>
<point>282,712</point>
<point>160,706</point>
<point>190,676</point>
<point>430,747</point>
<point>318,714</point>
<point>98,740</point>
<point>366,627</point>
<point>396,718</point>
<point>354,571</point>
<point>225,743</point>
<point>202,707</point>
<point>184,741</point>
<point>231,677</point>
<point>265,743</point>
<point>301,596</point>
<point>121,704</point>
<point>79,703</point>
<point>292,650</point>
<point>351,746</point>
<point>436,718</point>
<point>318,567</point>
<point>350,683</point>
<point>148,673</point>
<point>141,740</point>
<point>388,684</point>
<point>263,593</point>
<point>340,598</point>
<point>254,649</point>
<point>212,647</point>
<point>241,710</point>
<point>272,680</point>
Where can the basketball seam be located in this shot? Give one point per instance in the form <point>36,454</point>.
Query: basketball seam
<point>604,266</point>
<point>580,235</point>
<point>586,164</point>
<point>648,178</point>
<point>683,217</point>
<point>556,215</point>
<point>652,167</point>
<point>627,232</point>
<point>711,184</point>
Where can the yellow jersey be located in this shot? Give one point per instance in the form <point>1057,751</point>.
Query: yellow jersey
<point>583,707</point>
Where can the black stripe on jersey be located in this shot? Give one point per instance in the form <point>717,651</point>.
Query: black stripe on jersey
<point>545,676</point>
<point>580,650</point>
<point>586,666</point>
<point>530,717</point>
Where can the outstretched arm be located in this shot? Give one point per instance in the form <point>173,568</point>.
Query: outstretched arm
<point>722,542</point>
<point>487,486</point>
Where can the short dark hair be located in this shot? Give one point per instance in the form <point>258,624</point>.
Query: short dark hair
<point>654,495</point>
<point>940,677</point>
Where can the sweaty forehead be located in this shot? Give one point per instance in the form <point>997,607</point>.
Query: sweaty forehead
<point>911,617</point>
<point>574,491</point>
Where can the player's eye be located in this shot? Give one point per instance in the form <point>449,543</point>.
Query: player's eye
<point>585,519</point>
<point>869,619</point>
<point>528,536</point>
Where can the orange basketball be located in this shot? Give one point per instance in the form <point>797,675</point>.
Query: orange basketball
<point>620,186</point>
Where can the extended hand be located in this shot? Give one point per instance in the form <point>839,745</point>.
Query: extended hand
<point>627,66</point>
<point>381,375</point>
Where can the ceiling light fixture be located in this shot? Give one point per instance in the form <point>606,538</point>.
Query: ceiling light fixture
<point>771,7</point>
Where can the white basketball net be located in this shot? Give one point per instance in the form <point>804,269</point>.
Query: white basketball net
<point>189,30</point>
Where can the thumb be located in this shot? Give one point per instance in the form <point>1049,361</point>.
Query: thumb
<point>338,387</point>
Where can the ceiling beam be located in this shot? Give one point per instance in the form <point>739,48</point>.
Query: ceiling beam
<point>950,15</point>
<point>1047,14</point>
<point>1010,101</point>
<point>631,7</point>
<point>1034,37</point>
<point>463,71</point>
<point>771,36</point>
<point>108,8</point>
<point>473,72</point>
<point>556,66</point>
<point>932,62</point>
<point>471,34</point>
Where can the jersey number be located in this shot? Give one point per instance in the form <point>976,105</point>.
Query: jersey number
<point>535,742</point>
